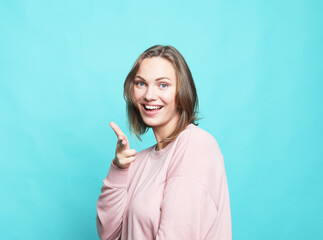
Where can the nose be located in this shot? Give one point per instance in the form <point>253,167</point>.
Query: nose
<point>150,94</point>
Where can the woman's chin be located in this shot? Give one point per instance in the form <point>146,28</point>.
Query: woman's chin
<point>150,123</point>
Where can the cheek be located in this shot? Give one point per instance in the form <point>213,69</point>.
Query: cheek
<point>169,97</point>
<point>137,94</point>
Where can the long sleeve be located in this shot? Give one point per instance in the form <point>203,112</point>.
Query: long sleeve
<point>187,211</point>
<point>196,204</point>
<point>112,203</point>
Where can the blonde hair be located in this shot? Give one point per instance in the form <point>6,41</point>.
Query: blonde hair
<point>186,96</point>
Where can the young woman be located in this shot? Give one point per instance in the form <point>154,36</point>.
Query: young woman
<point>177,188</point>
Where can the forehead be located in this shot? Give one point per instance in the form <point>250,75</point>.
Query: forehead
<point>156,67</point>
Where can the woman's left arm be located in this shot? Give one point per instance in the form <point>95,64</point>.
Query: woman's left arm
<point>196,201</point>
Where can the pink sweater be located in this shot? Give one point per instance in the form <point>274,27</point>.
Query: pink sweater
<point>179,192</point>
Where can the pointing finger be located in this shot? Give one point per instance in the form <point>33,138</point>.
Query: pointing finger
<point>122,138</point>
<point>116,129</point>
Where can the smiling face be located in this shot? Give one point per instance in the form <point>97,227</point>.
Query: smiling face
<point>154,93</point>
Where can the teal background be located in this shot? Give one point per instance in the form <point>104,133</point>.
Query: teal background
<point>258,70</point>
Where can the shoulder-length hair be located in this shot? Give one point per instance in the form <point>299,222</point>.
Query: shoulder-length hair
<point>186,96</point>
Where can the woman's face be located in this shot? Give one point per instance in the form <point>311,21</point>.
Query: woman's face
<point>154,93</point>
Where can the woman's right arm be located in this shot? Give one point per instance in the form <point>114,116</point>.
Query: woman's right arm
<point>112,203</point>
<point>113,198</point>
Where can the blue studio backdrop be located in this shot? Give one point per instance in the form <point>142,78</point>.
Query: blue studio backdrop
<point>257,66</point>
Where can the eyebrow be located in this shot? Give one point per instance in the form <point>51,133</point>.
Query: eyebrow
<point>157,79</point>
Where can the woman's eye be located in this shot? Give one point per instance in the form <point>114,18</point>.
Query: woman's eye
<point>140,84</point>
<point>164,85</point>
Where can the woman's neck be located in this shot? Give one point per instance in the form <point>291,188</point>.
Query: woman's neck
<point>162,132</point>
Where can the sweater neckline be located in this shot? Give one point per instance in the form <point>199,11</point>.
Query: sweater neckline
<point>157,154</point>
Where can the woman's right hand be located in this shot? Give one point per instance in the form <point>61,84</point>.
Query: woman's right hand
<point>124,155</point>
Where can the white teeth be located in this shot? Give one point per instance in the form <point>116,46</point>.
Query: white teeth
<point>152,107</point>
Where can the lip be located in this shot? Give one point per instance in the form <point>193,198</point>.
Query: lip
<point>151,105</point>
<point>153,112</point>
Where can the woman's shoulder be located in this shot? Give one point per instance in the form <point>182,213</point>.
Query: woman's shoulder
<point>196,136</point>
<point>195,142</point>
<point>198,158</point>
<point>201,145</point>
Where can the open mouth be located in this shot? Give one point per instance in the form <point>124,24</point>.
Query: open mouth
<point>151,108</point>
